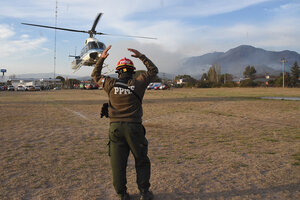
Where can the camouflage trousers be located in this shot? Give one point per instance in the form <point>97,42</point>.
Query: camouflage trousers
<point>123,138</point>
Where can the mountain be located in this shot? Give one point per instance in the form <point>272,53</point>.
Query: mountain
<point>82,78</point>
<point>50,75</point>
<point>235,60</point>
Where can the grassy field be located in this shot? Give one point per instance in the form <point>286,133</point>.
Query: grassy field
<point>203,144</point>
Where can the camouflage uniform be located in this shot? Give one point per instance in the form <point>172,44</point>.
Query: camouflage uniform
<point>126,132</point>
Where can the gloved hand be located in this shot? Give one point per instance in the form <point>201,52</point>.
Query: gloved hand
<point>104,110</point>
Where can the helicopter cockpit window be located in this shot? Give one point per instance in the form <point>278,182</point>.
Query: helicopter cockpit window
<point>101,45</point>
<point>93,45</point>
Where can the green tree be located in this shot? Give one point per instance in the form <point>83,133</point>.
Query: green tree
<point>287,80</point>
<point>226,78</point>
<point>248,83</point>
<point>70,82</point>
<point>203,82</point>
<point>249,72</point>
<point>212,74</point>
<point>62,79</point>
<point>204,77</point>
<point>294,74</point>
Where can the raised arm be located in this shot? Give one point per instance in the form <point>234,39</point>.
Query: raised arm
<point>96,74</point>
<point>152,70</point>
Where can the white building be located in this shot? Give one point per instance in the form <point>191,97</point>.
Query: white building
<point>180,81</point>
<point>44,82</point>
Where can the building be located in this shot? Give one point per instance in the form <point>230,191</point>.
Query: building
<point>180,81</point>
<point>43,83</point>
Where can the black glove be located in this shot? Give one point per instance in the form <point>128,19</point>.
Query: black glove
<point>104,110</point>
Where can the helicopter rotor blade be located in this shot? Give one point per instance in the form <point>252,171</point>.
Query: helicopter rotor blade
<point>133,36</point>
<point>58,28</point>
<point>96,22</point>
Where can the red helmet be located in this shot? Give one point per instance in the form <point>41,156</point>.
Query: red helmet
<point>125,64</point>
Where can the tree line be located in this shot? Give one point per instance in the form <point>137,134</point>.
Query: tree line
<point>214,78</point>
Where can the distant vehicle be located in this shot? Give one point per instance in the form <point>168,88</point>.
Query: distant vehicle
<point>96,86</point>
<point>10,88</point>
<point>152,86</point>
<point>2,88</point>
<point>156,87</point>
<point>20,88</point>
<point>91,86</point>
<point>88,86</point>
<point>37,88</point>
<point>82,86</point>
<point>164,87</point>
<point>56,88</point>
<point>46,88</point>
<point>29,88</point>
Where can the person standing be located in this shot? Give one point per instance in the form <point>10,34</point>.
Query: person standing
<point>126,132</point>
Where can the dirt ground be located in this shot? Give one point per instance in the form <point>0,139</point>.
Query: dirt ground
<point>203,144</point>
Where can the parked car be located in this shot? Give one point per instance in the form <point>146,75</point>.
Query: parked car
<point>91,86</point>
<point>157,87</point>
<point>82,86</point>
<point>10,88</point>
<point>45,88</point>
<point>88,86</point>
<point>149,87</point>
<point>20,88</point>
<point>152,86</point>
<point>37,88</point>
<point>29,88</point>
<point>56,88</point>
<point>164,87</point>
<point>2,88</point>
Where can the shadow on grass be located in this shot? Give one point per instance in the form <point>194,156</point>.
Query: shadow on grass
<point>265,193</point>
<point>198,99</point>
<point>148,101</point>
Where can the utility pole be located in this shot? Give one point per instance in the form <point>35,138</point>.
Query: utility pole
<point>283,60</point>
<point>55,41</point>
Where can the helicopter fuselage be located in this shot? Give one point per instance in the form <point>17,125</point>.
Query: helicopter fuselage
<point>89,54</point>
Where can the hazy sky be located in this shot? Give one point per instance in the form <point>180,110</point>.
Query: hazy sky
<point>183,28</point>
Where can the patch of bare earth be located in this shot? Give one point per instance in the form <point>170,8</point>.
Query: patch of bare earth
<point>203,144</point>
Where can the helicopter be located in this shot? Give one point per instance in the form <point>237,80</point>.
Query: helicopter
<point>92,46</point>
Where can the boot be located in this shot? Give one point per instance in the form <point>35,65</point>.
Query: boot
<point>147,196</point>
<point>125,196</point>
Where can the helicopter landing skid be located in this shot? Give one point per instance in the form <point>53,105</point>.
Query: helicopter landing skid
<point>77,65</point>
